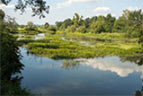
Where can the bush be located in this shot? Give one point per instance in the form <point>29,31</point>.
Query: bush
<point>71,28</point>
<point>81,29</point>
<point>52,29</point>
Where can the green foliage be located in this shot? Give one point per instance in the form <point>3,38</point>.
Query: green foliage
<point>59,24</point>
<point>109,22</point>
<point>10,62</point>
<point>77,19</point>
<point>12,88</point>
<point>97,27</point>
<point>46,25</point>
<point>71,28</point>
<point>87,22</point>
<point>129,23</point>
<point>2,15</point>
<point>134,23</point>
<point>119,25</point>
<point>65,24</point>
<point>10,57</point>
<point>52,29</point>
<point>54,47</point>
<point>81,29</point>
<point>30,26</point>
<point>11,24</point>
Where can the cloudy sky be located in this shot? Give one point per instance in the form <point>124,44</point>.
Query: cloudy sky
<point>63,9</point>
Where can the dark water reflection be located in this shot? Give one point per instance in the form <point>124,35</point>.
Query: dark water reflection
<point>108,76</point>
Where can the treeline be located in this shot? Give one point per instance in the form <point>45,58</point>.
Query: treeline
<point>131,23</point>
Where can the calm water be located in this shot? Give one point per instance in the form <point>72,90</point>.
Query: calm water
<point>98,76</point>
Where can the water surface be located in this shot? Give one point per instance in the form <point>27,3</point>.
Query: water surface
<point>108,76</point>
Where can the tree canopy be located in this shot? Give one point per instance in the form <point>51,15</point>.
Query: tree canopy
<point>39,7</point>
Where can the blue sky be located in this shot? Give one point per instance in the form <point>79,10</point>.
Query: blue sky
<point>63,9</point>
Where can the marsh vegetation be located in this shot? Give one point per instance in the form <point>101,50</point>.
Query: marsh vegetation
<point>119,39</point>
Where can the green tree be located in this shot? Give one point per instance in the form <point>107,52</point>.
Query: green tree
<point>11,24</point>
<point>77,19</point>
<point>87,22</point>
<point>46,25</point>
<point>134,21</point>
<point>109,22</point>
<point>30,27</point>
<point>98,26</point>
<point>9,62</point>
<point>52,29</point>
<point>59,24</point>
<point>81,29</point>
<point>66,23</point>
<point>71,28</point>
<point>9,52</point>
<point>93,19</point>
<point>119,25</point>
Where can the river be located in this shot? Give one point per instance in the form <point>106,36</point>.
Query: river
<point>108,76</point>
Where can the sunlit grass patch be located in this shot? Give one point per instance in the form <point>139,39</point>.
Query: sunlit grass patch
<point>53,46</point>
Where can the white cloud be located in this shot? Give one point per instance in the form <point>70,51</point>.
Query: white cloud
<point>102,9</point>
<point>132,8</point>
<point>69,2</point>
<point>2,6</point>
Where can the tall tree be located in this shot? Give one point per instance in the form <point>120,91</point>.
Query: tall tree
<point>46,25</point>
<point>98,26</point>
<point>77,19</point>
<point>119,25</point>
<point>109,22</point>
<point>66,23</point>
<point>134,21</point>
<point>9,52</point>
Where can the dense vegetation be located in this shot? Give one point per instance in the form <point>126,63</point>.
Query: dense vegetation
<point>60,47</point>
<point>129,23</point>
<point>10,61</point>
<point>87,38</point>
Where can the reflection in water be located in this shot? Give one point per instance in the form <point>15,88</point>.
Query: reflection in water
<point>112,64</point>
<point>122,69</point>
<point>70,64</point>
<point>140,92</point>
<point>98,76</point>
<point>135,59</point>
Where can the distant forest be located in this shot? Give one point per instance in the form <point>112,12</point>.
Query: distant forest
<point>131,23</point>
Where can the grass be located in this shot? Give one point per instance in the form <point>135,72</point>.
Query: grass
<point>105,44</point>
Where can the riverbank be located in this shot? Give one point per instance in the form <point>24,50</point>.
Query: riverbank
<point>81,45</point>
